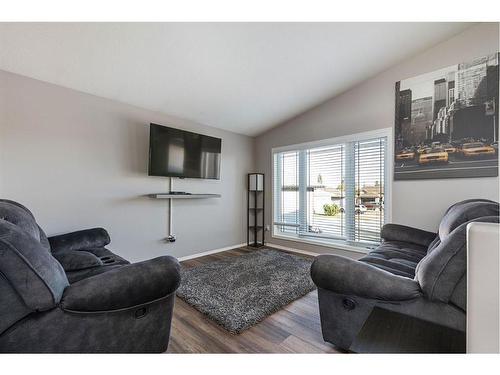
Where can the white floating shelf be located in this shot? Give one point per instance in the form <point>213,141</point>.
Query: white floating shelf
<point>182,196</point>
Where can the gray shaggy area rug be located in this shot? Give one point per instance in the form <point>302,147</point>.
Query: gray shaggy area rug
<point>239,292</point>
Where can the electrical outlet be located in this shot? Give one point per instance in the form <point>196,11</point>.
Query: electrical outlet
<point>268,228</point>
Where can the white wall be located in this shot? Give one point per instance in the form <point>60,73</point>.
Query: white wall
<point>369,106</point>
<point>80,161</point>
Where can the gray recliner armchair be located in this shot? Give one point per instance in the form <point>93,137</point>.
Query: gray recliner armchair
<point>69,293</point>
<point>414,272</point>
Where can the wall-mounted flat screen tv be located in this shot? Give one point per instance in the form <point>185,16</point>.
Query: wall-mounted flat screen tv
<point>178,153</point>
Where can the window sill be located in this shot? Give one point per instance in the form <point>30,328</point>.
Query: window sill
<point>330,244</point>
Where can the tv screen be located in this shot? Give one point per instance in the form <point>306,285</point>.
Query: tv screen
<point>178,153</point>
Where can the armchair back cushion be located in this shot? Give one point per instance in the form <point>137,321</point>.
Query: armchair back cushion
<point>19,215</point>
<point>463,212</point>
<point>460,213</point>
<point>442,272</point>
<point>25,263</point>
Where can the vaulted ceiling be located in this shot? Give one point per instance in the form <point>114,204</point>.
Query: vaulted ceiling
<point>242,77</point>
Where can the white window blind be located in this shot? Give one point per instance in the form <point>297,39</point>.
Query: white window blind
<point>331,193</point>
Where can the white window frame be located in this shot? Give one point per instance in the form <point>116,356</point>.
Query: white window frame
<point>389,162</point>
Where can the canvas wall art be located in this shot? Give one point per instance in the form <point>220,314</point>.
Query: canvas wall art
<point>446,122</point>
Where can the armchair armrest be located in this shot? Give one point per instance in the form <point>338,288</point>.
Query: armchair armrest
<point>80,240</point>
<point>396,232</point>
<point>347,276</point>
<point>124,287</point>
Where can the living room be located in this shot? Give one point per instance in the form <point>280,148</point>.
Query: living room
<point>249,187</point>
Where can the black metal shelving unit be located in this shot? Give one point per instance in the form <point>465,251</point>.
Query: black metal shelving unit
<point>255,210</point>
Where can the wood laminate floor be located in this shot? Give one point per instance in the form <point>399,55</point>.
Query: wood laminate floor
<point>294,329</point>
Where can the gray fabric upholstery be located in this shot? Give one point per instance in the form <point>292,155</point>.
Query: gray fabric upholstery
<point>440,272</point>
<point>72,260</point>
<point>459,295</point>
<point>12,306</point>
<point>342,316</point>
<point>342,275</point>
<point>399,258</point>
<point>141,329</point>
<point>20,216</point>
<point>459,214</point>
<point>80,240</point>
<point>90,301</point>
<point>433,244</point>
<point>402,233</point>
<point>102,255</point>
<point>108,259</point>
<point>414,272</point>
<point>34,273</point>
<point>126,286</point>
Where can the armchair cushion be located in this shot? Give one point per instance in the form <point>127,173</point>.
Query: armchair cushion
<point>347,276</point>
<point>80,240</point>
<point>73,260</point>
<point>399,258</point>
<point>124,287</point>
<point>402,233</point>
<point>109,261</point>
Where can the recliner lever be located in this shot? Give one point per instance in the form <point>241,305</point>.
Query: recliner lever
<point>349,304</point>
<point>141,312</point>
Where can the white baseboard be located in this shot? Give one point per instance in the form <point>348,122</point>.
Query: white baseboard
<point>291,249</point>
<point>210,252</point>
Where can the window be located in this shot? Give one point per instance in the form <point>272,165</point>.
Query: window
<point>331,192</point>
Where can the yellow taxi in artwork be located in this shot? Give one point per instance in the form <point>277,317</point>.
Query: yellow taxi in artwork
<point>406,154</point>
<point>433,155</point>
<point>476,149</point>
<point>450,149</point>
<point>421,149</point>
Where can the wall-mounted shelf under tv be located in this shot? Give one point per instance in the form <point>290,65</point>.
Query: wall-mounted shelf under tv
<point>182,196</point>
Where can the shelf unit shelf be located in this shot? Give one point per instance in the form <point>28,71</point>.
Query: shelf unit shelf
<point>255,210</point>
<point>182,196</point>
